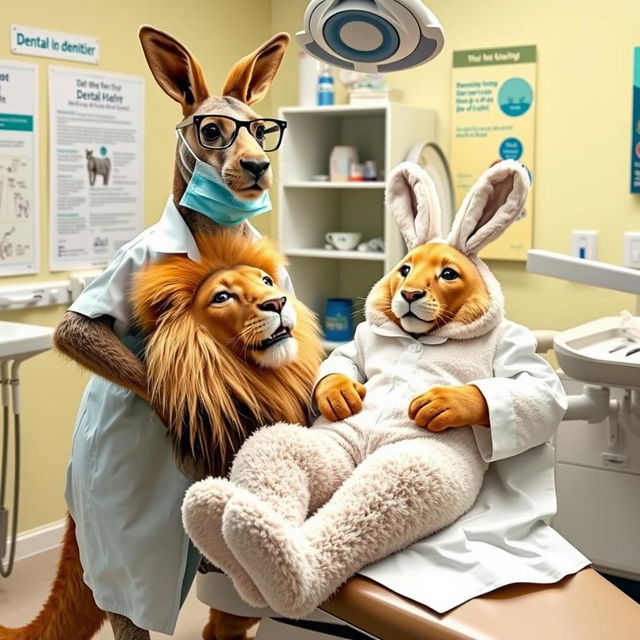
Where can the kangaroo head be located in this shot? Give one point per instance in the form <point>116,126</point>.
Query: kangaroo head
<point>236,152</point>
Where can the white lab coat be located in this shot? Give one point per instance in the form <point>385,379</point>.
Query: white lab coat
<point>123,488</point>
<point>505,537</point>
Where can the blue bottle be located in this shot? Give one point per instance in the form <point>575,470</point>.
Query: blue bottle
<point>326,91</point>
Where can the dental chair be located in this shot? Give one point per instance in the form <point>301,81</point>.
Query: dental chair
<point>583,606</point>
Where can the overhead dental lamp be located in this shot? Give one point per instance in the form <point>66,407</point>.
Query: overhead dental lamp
<point>371,36</point>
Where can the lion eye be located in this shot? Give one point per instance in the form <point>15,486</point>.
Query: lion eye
<point>221,296</point>
<point>449,274</point>
<point>268,281</point>
<point>404,270</point>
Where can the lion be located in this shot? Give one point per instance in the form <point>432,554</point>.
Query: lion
<point>213,328</point>
<point>227,351</point>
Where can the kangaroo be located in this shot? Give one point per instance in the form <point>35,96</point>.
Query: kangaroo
<point>71,611</point>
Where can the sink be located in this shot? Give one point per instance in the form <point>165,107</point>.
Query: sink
<point>600,352</point>
<point>18,340</point>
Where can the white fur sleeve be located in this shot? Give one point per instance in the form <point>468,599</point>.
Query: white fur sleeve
<point>525,398</point>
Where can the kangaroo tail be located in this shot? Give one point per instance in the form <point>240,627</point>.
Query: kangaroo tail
<point>70,612</point>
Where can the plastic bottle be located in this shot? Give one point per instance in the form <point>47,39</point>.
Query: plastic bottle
<point>325,87</point>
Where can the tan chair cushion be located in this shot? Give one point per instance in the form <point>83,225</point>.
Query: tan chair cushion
<point>581,607</point>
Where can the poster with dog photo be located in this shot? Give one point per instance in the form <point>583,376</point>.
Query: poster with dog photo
<point>96,145</point>
<point>19,214</point>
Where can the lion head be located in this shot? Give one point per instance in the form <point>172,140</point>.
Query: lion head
<point>433,285</point>
<point>227,349</point>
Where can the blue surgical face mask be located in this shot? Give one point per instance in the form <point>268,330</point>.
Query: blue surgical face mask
<point>206,193</point>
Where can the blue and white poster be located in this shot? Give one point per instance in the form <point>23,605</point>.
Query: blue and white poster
<point>19,210</point>
<point>635,134</point>
<point>96,129</point>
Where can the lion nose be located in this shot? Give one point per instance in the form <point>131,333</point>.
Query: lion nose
<point>255,168</point>
<point>410,296</point>
<point>275,305</point>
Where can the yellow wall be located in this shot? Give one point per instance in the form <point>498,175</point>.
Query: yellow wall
<point>218,36</point>
<point>584,79</point>
<point>583,122</point>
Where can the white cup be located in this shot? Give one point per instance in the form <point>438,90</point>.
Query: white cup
<point>345,241</point>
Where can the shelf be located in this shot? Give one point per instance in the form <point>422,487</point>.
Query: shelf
<point>317,184</point>
<point>337,110</point>
<point>335,254</point>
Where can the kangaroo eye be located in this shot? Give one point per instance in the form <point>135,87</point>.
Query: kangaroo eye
<point>404,270</point>
<point>449,274</point>
<point>221,296</point>
<point>210,132</point>
<point>268,281</point>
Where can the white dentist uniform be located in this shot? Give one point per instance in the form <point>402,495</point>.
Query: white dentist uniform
<point>123,489</point>
<point>505,537</point>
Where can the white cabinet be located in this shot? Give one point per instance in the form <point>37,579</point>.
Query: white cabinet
<point>308,209</point>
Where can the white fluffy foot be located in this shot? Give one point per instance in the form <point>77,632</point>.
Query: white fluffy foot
<point>273,553</point>
<point>202,511</point>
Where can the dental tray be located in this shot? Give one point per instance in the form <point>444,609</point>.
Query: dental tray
<point>600,352</point>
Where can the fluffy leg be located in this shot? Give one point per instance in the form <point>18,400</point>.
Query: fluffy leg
<point>226,626</point>
<point>400,494</point>
<point>202,511</point>
<point>282,464</point>
<point>70,612</point>
<point>294,469</point>
<point>124,629</point>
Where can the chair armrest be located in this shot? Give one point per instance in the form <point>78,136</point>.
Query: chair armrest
<point>544,338</point>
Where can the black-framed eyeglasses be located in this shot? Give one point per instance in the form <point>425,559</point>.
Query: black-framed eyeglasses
<point>220,132</point>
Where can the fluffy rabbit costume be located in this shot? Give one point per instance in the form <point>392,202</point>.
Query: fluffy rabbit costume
<point>305,509</point>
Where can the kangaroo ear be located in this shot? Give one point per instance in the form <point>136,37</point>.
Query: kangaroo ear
<point>174,68</point>
<point>250,78</point>
<point>413,202</point>
<point>493,203</point>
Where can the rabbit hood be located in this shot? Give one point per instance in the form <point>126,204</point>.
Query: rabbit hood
<point>495,201</point>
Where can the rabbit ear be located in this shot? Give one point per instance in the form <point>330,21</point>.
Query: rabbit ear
<point>413,201</point>
<point>493,203</point>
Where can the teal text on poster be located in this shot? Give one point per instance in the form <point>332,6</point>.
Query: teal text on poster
<point>15,122</point>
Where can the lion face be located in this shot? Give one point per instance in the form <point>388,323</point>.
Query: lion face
<point>246,311</point>
<point>430,287</point>
<point>227,350</point>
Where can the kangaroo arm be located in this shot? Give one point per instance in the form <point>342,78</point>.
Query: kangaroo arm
<point>92,343</point>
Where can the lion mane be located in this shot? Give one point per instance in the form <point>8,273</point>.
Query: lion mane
<point>210,398</point>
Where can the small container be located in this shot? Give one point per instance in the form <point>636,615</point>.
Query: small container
<point>356,173</point>
<point>340,161</point>
<point>370,171</point>
<point>338,319</point>
<point>326,92</point>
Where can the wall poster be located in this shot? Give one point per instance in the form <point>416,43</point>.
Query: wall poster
<point>19,186</point>
<point>96,146</point>
<point>494,101</point>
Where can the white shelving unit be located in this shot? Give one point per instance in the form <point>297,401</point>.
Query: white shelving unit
<point>308,209</point>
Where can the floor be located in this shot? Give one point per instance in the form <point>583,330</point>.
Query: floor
<point>24,592</point>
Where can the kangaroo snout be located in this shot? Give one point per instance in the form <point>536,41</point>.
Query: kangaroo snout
<point>255,168</point>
